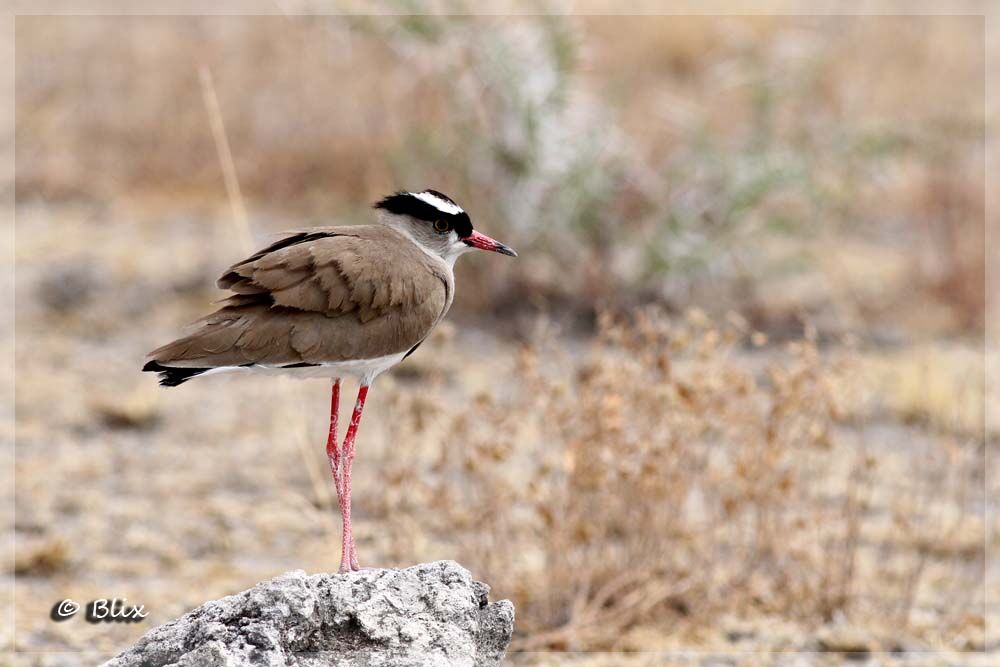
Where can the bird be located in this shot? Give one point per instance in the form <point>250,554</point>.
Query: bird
<point>334,302</point>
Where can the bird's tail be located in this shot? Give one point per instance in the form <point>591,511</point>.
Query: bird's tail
<point>171,376</point>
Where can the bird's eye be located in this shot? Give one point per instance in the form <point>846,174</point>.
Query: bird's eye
<point>442,226</point>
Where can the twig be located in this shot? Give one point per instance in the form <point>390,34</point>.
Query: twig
<point>240,219</point>
<point>317,479</point>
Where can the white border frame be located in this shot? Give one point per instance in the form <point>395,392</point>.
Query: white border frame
<point>991,335</point>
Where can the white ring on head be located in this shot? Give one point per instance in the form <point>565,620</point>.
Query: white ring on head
<point>438,203</point>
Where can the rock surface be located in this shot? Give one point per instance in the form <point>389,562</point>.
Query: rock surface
<point>429,614</point>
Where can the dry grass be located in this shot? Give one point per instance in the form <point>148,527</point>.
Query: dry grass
<point>664,477</point>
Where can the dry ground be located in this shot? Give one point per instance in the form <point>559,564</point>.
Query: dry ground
<point>172,497</point>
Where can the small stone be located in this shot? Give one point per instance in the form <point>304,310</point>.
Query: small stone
<point>428,614</point>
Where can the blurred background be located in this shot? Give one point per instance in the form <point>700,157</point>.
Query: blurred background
<point>729,397</point>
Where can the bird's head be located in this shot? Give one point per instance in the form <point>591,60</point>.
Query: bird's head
<point>436,223</point>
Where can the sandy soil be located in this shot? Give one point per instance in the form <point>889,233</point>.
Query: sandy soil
<point>172,497</point>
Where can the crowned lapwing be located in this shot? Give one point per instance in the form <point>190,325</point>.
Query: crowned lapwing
<point>333,302</point>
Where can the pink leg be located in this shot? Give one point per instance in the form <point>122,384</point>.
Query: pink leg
<point>332,452</point>
<point>348,554</point>
<point>332,448</point>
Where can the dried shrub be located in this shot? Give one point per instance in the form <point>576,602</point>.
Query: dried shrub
<point>664,474</point>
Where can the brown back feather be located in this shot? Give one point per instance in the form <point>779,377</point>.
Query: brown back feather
<point>321,295</point>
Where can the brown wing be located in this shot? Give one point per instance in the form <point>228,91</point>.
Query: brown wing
<point>323,295</point>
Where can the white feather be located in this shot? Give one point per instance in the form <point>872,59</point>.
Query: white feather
<point>440,204</point>
<point>365,370</point>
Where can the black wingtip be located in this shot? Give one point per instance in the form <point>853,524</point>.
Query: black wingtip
<point>171,376</point>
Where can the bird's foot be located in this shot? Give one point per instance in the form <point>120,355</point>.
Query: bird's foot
<point>354,557</point>
<point>344,569</point>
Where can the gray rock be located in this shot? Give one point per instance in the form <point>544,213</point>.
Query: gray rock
<point>429,614</point>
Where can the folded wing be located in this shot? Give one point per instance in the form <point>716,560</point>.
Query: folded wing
<point>318,296</point>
